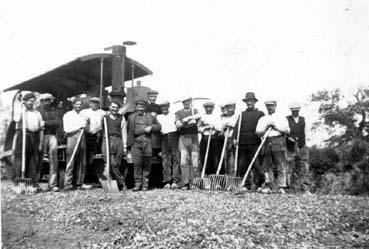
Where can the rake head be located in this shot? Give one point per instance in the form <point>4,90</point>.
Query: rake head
<point>232,183</point>
<point>24,186</point>
<point>218,182</point>
<point>201,183</point>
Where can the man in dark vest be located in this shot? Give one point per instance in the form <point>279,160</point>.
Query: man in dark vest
<point>140,127</point>
<point>248,141</point>
<point>117,135</point>
<point>298,157</point>
<point>156,176</point>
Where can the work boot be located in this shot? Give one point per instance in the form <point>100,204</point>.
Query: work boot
<point>55,189</point>
<point>167,186</point>
<point>68,188</point>
<point>136,188</point>
<point>85,187</point>
<point>281,191</point>
<point>174,186</point>
<point>145,188</point>
<point>186,187</point>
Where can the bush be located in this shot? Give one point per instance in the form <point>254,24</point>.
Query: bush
<point>324,160</point>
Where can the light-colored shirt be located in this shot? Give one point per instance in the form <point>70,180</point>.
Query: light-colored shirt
<point>279,121</point>
<point>94,119</point>
<point>73,121</point>
<point>33,120</point>
<point>229,121</point>
<point>210,119</point>
<point>167,122</point>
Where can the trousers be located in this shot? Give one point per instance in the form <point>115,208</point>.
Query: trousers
<point>141,152</point>
<point>189,149</point>
<point>50,145</point>
<point>170,156</point>
<point>75,173</point>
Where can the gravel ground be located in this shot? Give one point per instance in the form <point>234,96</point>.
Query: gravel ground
<point>182,219</point>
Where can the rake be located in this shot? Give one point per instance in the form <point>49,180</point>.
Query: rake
<point>218,182</point>
<point>203,183</point>
<point>232,182</point>
<point>254,158</point>
<point>23,185</point>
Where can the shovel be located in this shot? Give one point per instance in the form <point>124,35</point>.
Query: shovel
<point>218,182</point>
<point>233,182</point>
<point>109,185</point>
<point>253,159</point>
<point>23,185</point>
<point>203,183</point>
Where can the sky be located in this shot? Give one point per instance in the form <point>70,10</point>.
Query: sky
<point>285,49</point>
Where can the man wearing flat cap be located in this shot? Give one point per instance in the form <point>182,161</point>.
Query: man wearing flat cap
<point>169,147</point>
<point>53,123</point>
<point>298,158</point>
<point>274,159</point>
<point>141,125</point>
<point>154,109</point>
<point>186,121</point>
<point>94,116</point>
<point>210,124</point>
<point>34,125</point>
<point>74,124</point>
<point>228,125</point>
<point>248,141</point>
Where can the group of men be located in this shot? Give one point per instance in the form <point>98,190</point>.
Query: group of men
<point>153,130</point>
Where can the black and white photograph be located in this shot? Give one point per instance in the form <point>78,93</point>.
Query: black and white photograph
<point>184,124</point>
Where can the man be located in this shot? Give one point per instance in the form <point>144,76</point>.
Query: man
<point>74,123</point>
<point>169,147</point>
<point>209,124</point>
<point>50,143</point>
<point>93,132</point>
<point>117,137</point>
<point>156,176</point>
<point>140,127</point>
<point>228,123</point>
<point>34,125</point>
<point>299,156</point>
<point>248,141</point>
<point>186,121</point>
<point>275,147</point>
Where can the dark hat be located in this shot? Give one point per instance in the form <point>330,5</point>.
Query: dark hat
<point>140,102</point>
<point>152,92</point>
<point>249,96</point>
<point>95,99</point>
<point>75,100</point>
<point>208,103</point>
<point>28,96</point>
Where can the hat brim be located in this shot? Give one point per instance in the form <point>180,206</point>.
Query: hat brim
<point>244,100</point>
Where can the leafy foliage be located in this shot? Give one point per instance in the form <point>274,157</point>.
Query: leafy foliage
<point>350,116</point>
<point>323,160</point>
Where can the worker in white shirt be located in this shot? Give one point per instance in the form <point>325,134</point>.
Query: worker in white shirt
<point>209,124</point>
<point>74,123</point>
<point>93,132</point>
<point>228,123</point>
<point>34,126</point>
<point>274,154</point>
<point>169,147</point>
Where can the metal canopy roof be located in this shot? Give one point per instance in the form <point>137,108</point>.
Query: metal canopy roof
<point>79,76</point>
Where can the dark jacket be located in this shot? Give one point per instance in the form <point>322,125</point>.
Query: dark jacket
<point>155,136</point>
<point>150,120</point>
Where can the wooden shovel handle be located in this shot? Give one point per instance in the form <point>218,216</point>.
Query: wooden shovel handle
<point>75,149</point>
<point>237,146</point>
<point>223,151</point>
<point>255,156</point>
<point>206,154</point>
<point>24,141</point>
<point>107,148</point>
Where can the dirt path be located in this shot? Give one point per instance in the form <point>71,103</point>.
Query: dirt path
<point>182,219</point>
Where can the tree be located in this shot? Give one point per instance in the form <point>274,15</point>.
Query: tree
<point>350,115</point>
